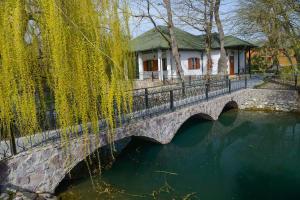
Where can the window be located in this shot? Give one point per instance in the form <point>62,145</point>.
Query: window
<point>151,65</point>
<point>194,63</point>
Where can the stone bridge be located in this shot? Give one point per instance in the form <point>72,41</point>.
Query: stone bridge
<point>43,168</point>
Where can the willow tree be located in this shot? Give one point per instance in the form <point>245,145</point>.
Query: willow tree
<point>73,54</point>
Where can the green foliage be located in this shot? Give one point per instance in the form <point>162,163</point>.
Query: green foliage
<point>259,64</point>
<point>275,20</point>
<point>289,70</point>
<point>73,52</point>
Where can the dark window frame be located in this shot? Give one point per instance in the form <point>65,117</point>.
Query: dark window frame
<point>194,63</point>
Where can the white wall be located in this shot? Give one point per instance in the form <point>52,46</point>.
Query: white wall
<point>242,60</point>
<point>185,55</point>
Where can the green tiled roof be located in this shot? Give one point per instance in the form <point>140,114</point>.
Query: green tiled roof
<point>152,40</point>
<point>231,41</point>
<point>259,43</point>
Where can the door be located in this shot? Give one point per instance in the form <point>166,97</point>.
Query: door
<point>155,65</point>
<point>231,63</point>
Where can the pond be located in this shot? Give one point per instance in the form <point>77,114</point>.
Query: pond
<point>243,155</point>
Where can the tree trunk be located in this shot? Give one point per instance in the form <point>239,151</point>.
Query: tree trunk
<point>174,45</point>
<point>222,64</point>
<point>208,29</point>
<point>275,60</point>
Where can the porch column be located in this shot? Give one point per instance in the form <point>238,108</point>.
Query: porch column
<point>141,67</point>
<point>169,65</point>
<point>249,60</point>
<point>160,67</point>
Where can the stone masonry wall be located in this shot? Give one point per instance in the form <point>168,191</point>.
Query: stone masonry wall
<point>272,100</point>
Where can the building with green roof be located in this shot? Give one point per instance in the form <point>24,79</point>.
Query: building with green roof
<point>155,57</point>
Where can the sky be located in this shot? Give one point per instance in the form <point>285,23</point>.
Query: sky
<point>226,10</point>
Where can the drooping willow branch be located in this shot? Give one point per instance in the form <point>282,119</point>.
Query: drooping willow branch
<point>65,58</point>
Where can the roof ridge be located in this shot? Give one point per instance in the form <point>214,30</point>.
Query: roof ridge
<point>240,39</point>
<point>166,27</point>
<point>152,39</point>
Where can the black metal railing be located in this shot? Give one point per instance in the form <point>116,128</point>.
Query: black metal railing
<point>188,80</point>
<point>146,103</point>
<point>153,100</point>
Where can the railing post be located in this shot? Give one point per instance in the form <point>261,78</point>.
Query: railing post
<point>206,91</point>
<point>12,141</point>
<point>190,80</point>
<point>146,98</point>
<point>246,82</point>
<point>183,88</point>
<point>229,85</point>
<point>152,76</point>
<point>171,100</point>
<point>226,79</point>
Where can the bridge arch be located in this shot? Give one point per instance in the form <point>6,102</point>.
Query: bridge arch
<point>200,116</point>
<point>194,121</point>
<point>230,105</point>
<point>146,139</point>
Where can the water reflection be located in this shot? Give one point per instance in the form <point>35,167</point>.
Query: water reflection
<point>194,130</point>
<point>244,155</point>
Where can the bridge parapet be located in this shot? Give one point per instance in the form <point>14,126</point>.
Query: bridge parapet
<point>147,102</point>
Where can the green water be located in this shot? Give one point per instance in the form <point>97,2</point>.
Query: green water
<point>243,155</point>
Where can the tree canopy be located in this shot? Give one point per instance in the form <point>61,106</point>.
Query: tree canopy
<point>276,20</point>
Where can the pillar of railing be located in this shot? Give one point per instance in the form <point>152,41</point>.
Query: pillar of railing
<point>12,141</point>
<point>183,88</point>
<point>146,98</point>
<point>171,100</point>
<point>227,80</point>
<point>246,82</point>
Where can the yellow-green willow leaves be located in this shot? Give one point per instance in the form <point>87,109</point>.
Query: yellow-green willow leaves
<point>73,55</point>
